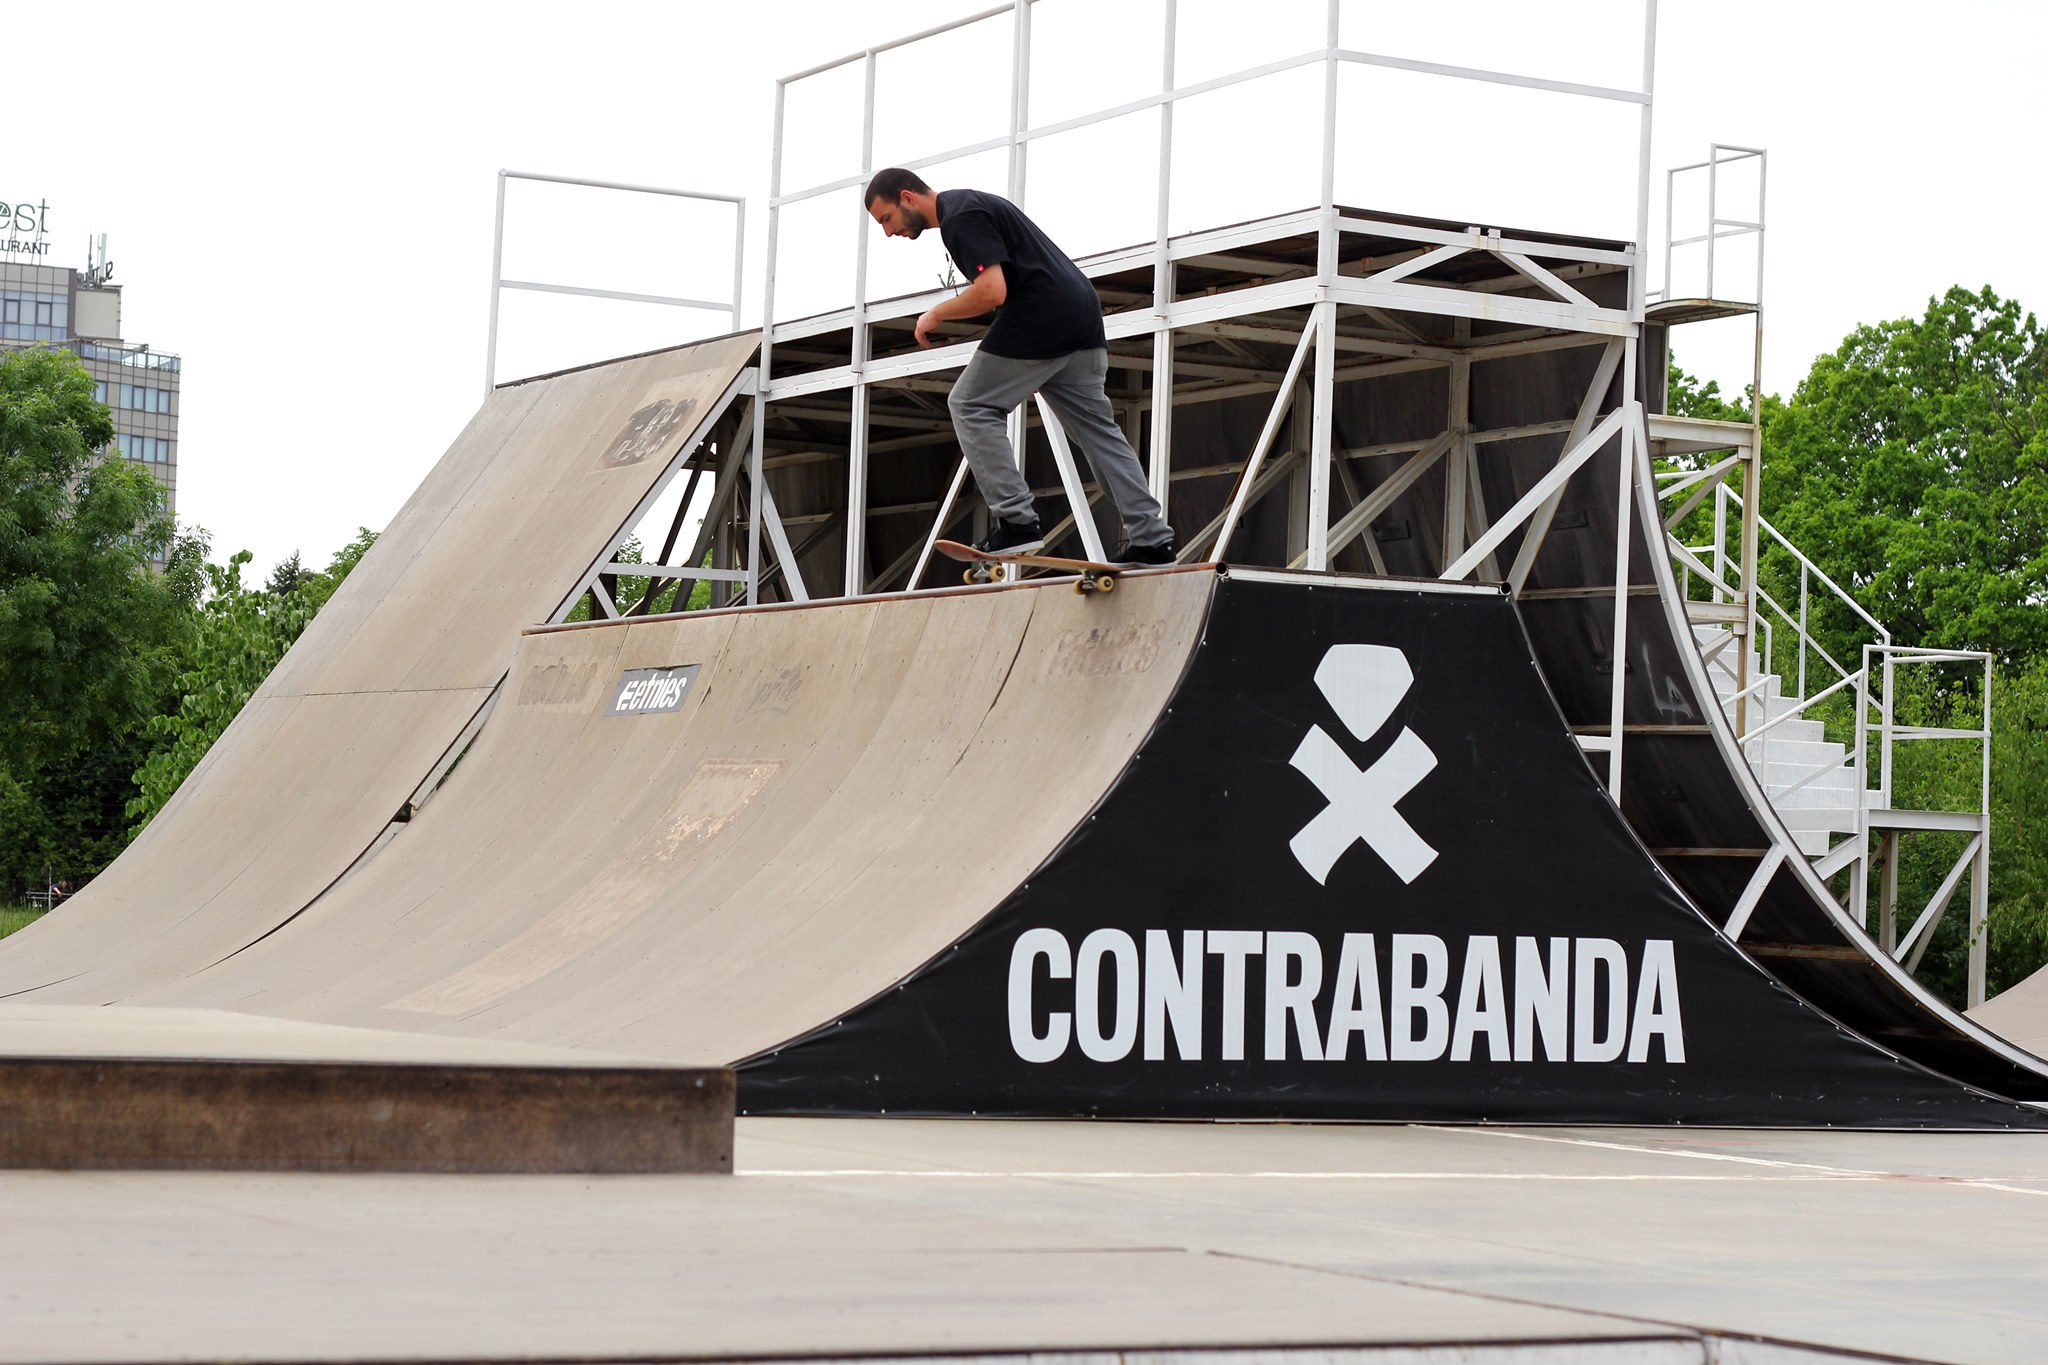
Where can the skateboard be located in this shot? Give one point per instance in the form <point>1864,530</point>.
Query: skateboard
<point>987,568</point>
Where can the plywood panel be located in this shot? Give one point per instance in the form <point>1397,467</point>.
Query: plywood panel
<point>382,682</point>
<point>848,789</point>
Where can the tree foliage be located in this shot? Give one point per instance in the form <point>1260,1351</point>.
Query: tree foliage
<point>1912,463</point>
<point>81,615</point>
<point>1687,396</point>
<point>1944,775</point>
<point>88,631</point>
<point>629,590</point>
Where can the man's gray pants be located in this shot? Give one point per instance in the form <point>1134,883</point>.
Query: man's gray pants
<point>992,386</point>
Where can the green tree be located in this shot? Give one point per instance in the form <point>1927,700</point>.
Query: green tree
<point>241,634</point>
<point>288,574</point>
<point>79,610</point>
<point>1687,396</point>
<point>1946,776</point>
<point>87,630</point>
<point>630,590</point>
<point>1912,464</point>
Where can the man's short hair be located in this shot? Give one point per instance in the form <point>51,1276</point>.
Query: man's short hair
<point>889,185</point>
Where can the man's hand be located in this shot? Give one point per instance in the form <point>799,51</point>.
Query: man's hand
<point>985,295</point>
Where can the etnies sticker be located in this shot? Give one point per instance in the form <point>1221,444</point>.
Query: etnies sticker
<point>651,691</point>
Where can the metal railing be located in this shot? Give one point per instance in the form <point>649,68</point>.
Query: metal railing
<point>1162,316</point>
<point>1718,227</point>
<point>1881,714</point>
<point>499,283</point>
<point>1874,733</point>
<point>1714,565</point>
<point>1879,813</point>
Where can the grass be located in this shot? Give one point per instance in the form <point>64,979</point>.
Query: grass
<point>14,917</point>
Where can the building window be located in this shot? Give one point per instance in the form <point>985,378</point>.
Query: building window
<point>146,449</point>
<point>28,316</point>
<point>144,398</point>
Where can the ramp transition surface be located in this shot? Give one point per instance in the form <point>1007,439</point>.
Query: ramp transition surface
<point>2019,1014</point>
<point>837,796</point>
<point>1360,869</point>
<point>338,737</point>
<point>1222,845</point>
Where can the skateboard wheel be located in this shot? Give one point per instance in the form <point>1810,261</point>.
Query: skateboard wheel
<point>1105,583</point>
<point>998,572</point>
<point>970,576</point>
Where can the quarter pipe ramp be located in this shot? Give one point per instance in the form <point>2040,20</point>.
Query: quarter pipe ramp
<point>1224,843</point>
<point>1221,844</point>
<point>385,679</point>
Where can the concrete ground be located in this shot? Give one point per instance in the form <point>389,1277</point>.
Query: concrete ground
<point>908,1237</point>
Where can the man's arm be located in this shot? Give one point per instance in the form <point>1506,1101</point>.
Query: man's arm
<point>985,295</point>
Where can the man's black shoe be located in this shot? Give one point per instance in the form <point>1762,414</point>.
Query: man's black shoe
<point>1011,538</point>
<point>1145,555</point>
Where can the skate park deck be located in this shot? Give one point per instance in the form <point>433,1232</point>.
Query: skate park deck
<point>889,1239</point>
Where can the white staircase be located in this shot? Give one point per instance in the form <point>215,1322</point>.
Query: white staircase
<point>1805,774</point>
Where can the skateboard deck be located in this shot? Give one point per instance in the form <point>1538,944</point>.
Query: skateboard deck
<point>988,568</point>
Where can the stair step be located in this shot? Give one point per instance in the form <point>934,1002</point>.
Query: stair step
<point>1814,797</point>
<point>1844,782</point>
<point>1826,805</point>
<point>1778,747</point>
<point>1839,819</point>
<point>1722,671</point>
<point>1780,770</point>
<point>1800,731</point>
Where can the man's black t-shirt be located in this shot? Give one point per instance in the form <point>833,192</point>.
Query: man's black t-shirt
<point>1051,309</point>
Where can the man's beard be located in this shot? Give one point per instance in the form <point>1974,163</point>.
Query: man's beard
<point>914,221</point>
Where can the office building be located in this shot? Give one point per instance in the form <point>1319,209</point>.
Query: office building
<point>48,305</point>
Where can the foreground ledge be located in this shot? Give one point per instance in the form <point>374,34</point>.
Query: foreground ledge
<point>69,1101</point>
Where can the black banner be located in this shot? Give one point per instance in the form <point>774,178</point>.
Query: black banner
<point>1360,870</point>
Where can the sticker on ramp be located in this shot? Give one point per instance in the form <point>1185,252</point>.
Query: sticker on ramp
<point>647,432</point>
<point>652,691</point>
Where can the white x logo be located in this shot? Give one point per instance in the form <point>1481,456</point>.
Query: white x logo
<point>1363,684</point>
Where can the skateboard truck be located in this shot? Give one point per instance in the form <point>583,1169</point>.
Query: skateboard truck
<point>998,568</point>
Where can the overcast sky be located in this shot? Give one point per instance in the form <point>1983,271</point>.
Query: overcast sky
<point>298,199</point>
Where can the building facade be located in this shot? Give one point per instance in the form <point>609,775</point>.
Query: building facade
<point>48,305</point>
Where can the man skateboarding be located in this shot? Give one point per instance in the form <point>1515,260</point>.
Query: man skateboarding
<point>1047,338</point>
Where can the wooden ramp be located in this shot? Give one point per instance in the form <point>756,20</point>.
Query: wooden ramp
<point>2019,1014</point>
<point>955,852</point>
<point>1220,844</point>
<point>383,681</point>
<point>845,790</point>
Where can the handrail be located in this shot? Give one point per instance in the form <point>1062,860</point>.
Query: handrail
<point>1976,856</point>
<point>1764,595</point>
<point>1926,654</point>
<point>1715,222</point>
<point>1794,713</point>
<point>1847,763</point>
<point>1874,702</point>
<point>1764,523</point>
